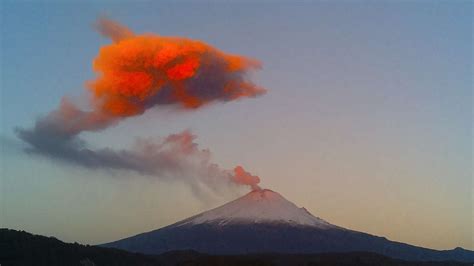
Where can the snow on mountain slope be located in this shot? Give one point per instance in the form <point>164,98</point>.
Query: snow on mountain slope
<point>259,206</point>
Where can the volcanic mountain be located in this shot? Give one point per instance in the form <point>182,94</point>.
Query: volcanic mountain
<point>265,222</point>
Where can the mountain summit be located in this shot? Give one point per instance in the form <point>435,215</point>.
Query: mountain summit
<point>263,221</point>
<point>259,207</point>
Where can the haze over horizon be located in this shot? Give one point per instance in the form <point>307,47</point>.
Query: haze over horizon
<point>367,122</point>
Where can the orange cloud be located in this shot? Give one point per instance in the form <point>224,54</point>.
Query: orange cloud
<point>137,72</point>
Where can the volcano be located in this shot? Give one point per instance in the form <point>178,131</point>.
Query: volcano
<point>263,221</point>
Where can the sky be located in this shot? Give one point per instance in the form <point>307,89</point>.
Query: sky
<point>367,121</point>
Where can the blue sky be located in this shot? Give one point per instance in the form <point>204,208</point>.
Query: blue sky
<point>367,121</point>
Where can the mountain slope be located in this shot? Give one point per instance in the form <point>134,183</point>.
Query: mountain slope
<point>264,222</point>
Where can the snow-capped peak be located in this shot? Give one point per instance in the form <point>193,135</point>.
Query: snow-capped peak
<point>259,206</point>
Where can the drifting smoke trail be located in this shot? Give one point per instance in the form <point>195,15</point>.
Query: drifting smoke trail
<point>136,73</point>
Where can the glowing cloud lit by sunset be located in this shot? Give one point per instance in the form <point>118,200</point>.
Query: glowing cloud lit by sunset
<point>137,72</point>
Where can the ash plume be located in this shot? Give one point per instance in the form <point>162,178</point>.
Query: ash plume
<point>136,73</point>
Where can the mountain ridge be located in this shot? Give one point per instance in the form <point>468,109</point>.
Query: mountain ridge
<point>19,248</point>
<point>263,221</point>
